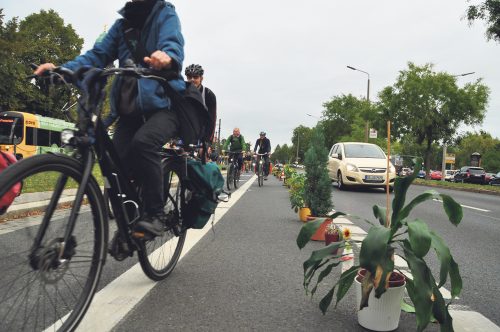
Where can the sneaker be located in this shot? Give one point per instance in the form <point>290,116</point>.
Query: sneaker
<point>154,225</point>
<point>265,177</point>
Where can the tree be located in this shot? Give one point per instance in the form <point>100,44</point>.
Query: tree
<point>318,186</point>
<point>430,106</point>
<point>481,142</point>
<point>344,118</point>
<point>38,38</point>
<point>488,11</point>
<point>283,154</point>
<point>302,137</point>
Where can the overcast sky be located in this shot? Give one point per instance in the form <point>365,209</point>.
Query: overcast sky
<point>271,62</point>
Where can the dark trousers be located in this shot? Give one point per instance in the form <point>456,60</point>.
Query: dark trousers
<point>239,157</point>
<point>138,141</point>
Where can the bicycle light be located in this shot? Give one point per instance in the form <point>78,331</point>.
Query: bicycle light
<point>67,135</point>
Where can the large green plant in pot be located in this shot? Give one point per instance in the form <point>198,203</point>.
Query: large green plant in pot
<point>318,186</point>
<point>412,239</point>
<point>297,190</point>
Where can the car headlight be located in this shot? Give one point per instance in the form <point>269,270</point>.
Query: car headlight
<point>351,168</point>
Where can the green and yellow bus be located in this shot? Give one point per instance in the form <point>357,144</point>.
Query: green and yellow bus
<point>26,134</point>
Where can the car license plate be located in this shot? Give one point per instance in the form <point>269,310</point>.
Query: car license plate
<point>373,177</point>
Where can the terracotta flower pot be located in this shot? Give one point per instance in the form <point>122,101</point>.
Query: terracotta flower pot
<point>320,233</point>
<point>381,314</point>
<point>303,213</point>
<point>330,238</point>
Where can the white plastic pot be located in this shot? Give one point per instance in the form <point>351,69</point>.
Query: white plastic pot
<point>381,314</point>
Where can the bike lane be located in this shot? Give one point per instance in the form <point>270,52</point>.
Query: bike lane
<point>246,274</point>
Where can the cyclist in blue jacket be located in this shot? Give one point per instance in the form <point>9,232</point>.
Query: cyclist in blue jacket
<point>153,28</point>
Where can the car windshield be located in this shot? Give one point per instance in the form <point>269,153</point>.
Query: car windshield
<point>363,151</point>
<point>476,171</point>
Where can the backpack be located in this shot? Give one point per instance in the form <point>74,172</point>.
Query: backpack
<point>239,139</point>
<point>7,159</point>
<point>194,119</point>
<point>205,181</point>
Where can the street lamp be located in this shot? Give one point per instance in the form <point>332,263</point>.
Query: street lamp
<point>443,163</point>
<point>367,97</point>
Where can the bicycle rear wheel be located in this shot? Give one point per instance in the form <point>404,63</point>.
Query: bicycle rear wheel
<point>159,256</point>
<point>230,176</point>
<point>49,286</point>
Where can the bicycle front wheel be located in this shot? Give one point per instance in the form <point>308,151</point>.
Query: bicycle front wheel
<point>260,176</point>
<point>230,177</point>
<point>159,256</point>
<point>48,283</point>
<point>236,177</point>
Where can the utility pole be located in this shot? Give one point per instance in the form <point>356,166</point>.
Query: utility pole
<point>298,141</point>
<point>218,138</point>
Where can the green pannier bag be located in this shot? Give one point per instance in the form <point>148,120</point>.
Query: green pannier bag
<point>206,183</point>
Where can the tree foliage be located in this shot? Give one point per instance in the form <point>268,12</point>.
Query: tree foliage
<point>344,119</point>
<point>430,106</point>
<point>301,138</point>
<point>481,142</point>
<point>282,154</point>
<point>488,11</point>
<point>318,187</point>
<point>41,37</point>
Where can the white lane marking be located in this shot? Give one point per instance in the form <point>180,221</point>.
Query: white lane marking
<point>465,206</point>
<point>113,302</point>
<point>471,321</point>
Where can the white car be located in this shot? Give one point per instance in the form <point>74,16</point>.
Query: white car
<point>359,164</point>
<point>449,174</point>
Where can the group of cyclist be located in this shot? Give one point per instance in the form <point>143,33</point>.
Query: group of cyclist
<point>235,145</point>
<point>149,32</point>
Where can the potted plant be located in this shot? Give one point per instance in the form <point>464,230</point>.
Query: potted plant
<point>296,191</point>
<point>412,239</point>
<point>318,187</point>
<point>333,233</point>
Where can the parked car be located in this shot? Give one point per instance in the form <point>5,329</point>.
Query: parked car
<point>496,180</point>
<point>421,174</point>
<point>436,175</point>
<point>359,164</point>
<point>449,174</point>
<point>488,177</point>
<point>470,174</point>
<point>405,171</point>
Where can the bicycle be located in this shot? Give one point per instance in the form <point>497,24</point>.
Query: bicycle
<point>53,262</point>
<point>260,168</point>
<point>233,170</point>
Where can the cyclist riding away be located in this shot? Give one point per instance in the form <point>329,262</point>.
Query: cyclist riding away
<point>236,144</point>
<point>263,145</point>
<point>146,120</point>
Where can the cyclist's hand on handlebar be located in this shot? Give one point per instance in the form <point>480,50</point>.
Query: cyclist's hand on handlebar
<point>40,70</point>
<point>159,60</point>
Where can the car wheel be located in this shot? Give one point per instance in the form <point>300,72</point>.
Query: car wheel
<point>340,182</point>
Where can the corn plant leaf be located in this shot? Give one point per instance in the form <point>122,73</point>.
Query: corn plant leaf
<point>380,213</point>
<point>326,301</point>
<point>452,209</point>
<point>319,255</point>
<point>307,231</point>
<point>455,279</point>
<point>374,248</point>
<point>440,311</point>
<point>345,282</point>
<point>326,271</point>
<point>420,237</point>
<point>421,288</point>
<point>401,186</point>
<point>444,256</point>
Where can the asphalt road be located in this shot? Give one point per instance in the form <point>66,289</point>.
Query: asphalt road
<point>474,244</point>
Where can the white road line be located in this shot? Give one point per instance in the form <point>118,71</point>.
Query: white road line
<point>465,206</point>
<point>114,301</point>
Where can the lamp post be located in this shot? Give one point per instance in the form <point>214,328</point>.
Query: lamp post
<point>367,98</point>
<point>443,163</point>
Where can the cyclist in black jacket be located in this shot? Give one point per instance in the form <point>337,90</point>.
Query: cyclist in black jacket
<point>263,144</point>
<point>194,74</point>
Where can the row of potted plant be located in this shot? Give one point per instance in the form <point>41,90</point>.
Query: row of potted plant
<point>379,284</point>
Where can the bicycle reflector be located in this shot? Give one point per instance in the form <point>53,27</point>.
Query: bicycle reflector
<point>67,135</point>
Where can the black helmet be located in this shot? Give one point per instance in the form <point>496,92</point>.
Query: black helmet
<point>194,70</point>
<point>262,133</point>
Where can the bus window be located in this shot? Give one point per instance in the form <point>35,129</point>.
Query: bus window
<point>55,138</point>
<point>30,136</point>
<point>6,124</point>
<point>43,137</point>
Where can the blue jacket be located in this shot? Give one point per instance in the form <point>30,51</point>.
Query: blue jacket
<point>161,31</point>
